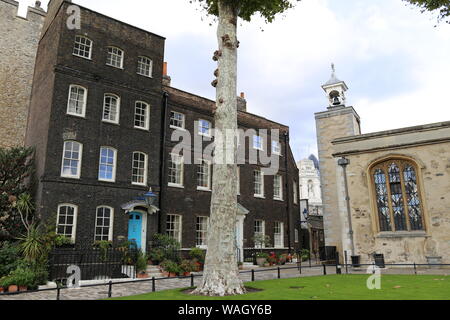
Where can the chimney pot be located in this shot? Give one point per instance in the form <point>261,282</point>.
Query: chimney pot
<point>166,80</point>
<point>38,4</point>
<point>165,69</point>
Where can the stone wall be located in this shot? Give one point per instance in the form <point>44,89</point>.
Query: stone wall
<point>331,124</point>
<point>18,46</point>
<point>429,147</point>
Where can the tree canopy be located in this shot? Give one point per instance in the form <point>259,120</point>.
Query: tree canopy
<point>441,6</point>
<point>245,9</point>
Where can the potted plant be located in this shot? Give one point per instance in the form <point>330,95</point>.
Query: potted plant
<point>141,265</point>
<point>187,266</point>
<point>261,258</point>
<point>171,268</point>
<point>22,279</point>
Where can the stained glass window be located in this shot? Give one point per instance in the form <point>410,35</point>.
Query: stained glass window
<point>397,195</point>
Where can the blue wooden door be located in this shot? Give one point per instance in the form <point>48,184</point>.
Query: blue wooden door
<point>135,228</point>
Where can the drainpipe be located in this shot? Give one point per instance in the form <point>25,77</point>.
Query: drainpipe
<point>344,163</point>
<point>162,165</point>
<point>288,191</point>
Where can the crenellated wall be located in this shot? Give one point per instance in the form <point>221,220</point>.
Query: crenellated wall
<point>18,46</point>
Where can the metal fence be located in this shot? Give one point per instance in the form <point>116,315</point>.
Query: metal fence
<point>94,263</point>
<point>302,270</point>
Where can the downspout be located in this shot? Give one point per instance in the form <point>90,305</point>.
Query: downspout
<point>162,165</point>
<point>344,163</point>
<point>288,191</point>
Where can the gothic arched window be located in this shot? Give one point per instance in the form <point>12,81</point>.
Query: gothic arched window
<point>398,201</point>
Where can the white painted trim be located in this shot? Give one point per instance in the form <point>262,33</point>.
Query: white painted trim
<point>118,108</point>
<point>111,222</point>
<point>83,111</point>
<point>78,176</point>
<point>121,60</point>
<point>114,164</point>
<point>75,215</point>
<point>151,67</point>
<point>145,169</point>
<point>147,116</point>
<point>91,47</point>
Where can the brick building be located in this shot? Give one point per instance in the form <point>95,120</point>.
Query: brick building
<point>101,118</point>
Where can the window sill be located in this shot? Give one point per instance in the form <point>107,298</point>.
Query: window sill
<point>76,115</point>
<point>141,128</point>
<point>402,234</point>
<point>110,122</point>
<point>115,67</point>
<point>204,189</point>
<point>71,177</point>
<point>173,185</point>
<point>278,199</point>
<point>259,196</point>
<point>78,56</point>
<point>177,128</point>
<point>107,181</point>
<point>144,75</point>
<point>139,184</point>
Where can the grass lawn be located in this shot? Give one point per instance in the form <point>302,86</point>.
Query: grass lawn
<point>332,287</point>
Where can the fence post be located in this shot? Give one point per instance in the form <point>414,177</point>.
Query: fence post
<point>324,269</point>
<point>110,289</point>
<point>58,292</point>
<point>309,257</point>
<point>253,275</point>
<point>346,262</point>
<point>279,273</point>
<point>153,284</point>
<point>192,280</point>
<point>415,269</point>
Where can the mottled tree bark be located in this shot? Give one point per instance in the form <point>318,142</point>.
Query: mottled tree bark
<point>221,274</point>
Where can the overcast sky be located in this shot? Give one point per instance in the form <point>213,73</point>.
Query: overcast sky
<point>395,62</point>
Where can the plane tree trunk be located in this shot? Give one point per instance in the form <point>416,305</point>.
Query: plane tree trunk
<point>221,273</point>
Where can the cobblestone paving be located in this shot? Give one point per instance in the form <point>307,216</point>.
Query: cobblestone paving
<point>130,289</point>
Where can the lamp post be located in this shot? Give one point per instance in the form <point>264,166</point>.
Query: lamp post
<point>150,198</point>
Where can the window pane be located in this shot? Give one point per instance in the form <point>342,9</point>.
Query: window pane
<point>382,200</point>
<point>107,161</point>
<point>413,199</point>
<point>397,197</point>
<point>82,47</point>
<point>111,108</point>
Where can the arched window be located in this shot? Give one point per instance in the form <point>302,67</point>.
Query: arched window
<point>76,104</point>
<point>115,57</point>
<point>111,108</point>
<point>82,47</point>
<point>66,220</point>
<point>398,201</point>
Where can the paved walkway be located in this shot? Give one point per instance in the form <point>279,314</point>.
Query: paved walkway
<point>130,289</point>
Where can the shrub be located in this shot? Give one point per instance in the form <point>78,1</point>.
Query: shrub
<point>9,258</point>
<point>187,266</point>
<point>198,254</point>
<point>169,247</point>
<point>262,255</point>
<point>141,262</point>
<point>23,277</point>
<point>171,266</point>
<point>157,255</point>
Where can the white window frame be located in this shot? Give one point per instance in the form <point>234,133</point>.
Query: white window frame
<point>111,223</point>
<point>145,169</point>
<point>90,46</point>
<point>203,232</point>
<point>278,238</point>
<point>111,54</point>
<point>147,115</point>
<point>201,127</point>
<point>174,231</point>
<point>115,96</point>
<point>83,109</point>
<point>276,147</point>
<point>280,195</point>
<point>140,68</point>
<point>80,152</point>
<point>263,227</point>
<point>114,165</point>
<point>295,191</point>
<point>183,120</point>
<point>180,162</point>
<point>208,164</point>
<point>75,214</point>
<point>256,141</point>
<point>258,195</point>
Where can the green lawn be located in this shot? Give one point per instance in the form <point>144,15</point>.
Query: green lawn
<point>332,287</point>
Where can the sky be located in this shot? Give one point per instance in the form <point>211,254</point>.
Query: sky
<point>392,57</point>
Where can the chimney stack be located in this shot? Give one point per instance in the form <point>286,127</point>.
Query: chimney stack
<point>52,10</point>
<point>242,103</point>
<point>166,80</point>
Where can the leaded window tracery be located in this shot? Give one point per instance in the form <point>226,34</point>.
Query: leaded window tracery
<point>398,201</point>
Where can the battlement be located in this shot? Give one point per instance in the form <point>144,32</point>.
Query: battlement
<point>32,13</point>
<point>18,46</point>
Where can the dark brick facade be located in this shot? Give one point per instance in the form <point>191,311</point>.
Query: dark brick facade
<point>50,125</point>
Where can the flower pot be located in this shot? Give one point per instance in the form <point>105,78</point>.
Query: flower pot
<point>261,261</point>
<point>186,274</point>
<point>2,289</point>
<point>142,276</point>
<point>172,275</point>
<point>23,288</point>
<point>13,288</point>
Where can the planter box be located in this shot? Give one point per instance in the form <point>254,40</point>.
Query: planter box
<point>261,261</point>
